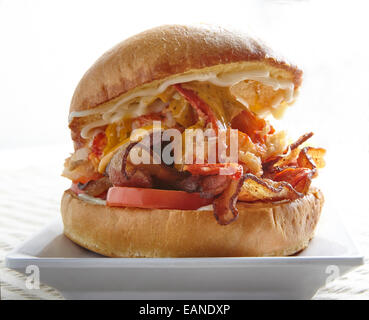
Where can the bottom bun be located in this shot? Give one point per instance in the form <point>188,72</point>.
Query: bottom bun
<point>262,229</point>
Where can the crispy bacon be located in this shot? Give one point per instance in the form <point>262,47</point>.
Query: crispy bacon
<point>138,179</point>
<point>95,187</point>
<point>234,170</point>
<point>254,189</point>
<point>290,154</point>
<point>211,186</point>
<point>311,158</point>
<point>201,107</point>
<point>123,169</point>
<point>298,178</point>
<point>124,173</point>
<point>286,176</point>
<point>208,186</point>
<point>225,210</point>
<point>298,172</point>
<point>250,124</point>
<point>98,144</point>
<point>189,184</point>
<point>301,140</point>
<point>128,149</point>
<point>223,181</point>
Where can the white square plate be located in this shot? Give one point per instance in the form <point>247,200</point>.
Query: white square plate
<point>80,274</point>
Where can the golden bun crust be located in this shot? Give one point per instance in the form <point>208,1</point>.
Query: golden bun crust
<point>262,229</point>
<point>170,50</point>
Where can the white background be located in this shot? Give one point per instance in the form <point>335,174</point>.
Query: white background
<point>46,46</point>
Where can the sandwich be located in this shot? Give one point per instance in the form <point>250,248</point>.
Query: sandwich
<point>175,152</point>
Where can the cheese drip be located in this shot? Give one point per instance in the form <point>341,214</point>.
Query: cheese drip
<point>136,103</point>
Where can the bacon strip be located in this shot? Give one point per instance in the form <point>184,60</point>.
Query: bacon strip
<point>189,184</point>
<point>98,144</point>
<point>131,146</point>
<point>254,189</point>
<point>271,165</point>
<point>250,124</point>
<point>200,106</point>
<point>301,140</point>
<point>311,158</point>
<point>298,178</point>
<point>223,179</point>
<point>233,170</point>
<point>211,186</point>
<point>95,187</point>
<point>225,210</point>
<point>125,158</point>
<point>123,173</point>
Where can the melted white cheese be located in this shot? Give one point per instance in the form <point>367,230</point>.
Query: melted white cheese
<point>124,107</point>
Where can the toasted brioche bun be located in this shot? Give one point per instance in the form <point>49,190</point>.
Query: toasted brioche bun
<point>156,55</point>
<point>262,229</point>
<point>144,62</point>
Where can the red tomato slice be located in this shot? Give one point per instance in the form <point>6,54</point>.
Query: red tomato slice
<point>154,198</point>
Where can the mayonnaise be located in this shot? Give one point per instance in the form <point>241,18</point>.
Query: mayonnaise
<point>209,207</point>
<point>91,199</point>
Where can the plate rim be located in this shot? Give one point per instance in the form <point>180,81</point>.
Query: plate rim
<point>16,259</point>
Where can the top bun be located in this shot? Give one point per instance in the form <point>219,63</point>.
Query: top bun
<point>170,50</point>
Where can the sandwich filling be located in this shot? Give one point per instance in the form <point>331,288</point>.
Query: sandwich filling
<point>198,141</point>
